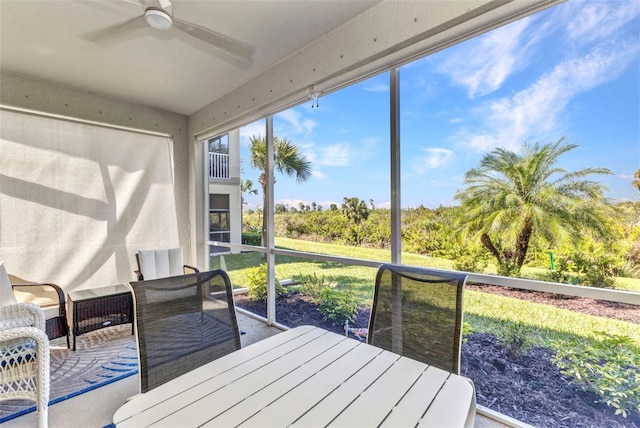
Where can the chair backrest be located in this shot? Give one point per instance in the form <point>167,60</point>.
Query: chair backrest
<point>154,264</point>
<point>183,322</point>
<point>417,312</point>
<point>6,291</point>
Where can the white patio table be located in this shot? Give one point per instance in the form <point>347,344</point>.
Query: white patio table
<point>306,376</point>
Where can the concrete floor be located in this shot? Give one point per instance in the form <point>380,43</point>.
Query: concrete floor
<point>95,409</point>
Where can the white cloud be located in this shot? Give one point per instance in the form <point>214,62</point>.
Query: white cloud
<point>482,65</point>
<point>300,125</point>
<point>435,158</point>
<point>253,129</point>
<point>537,111</point>
<point>593,21</point>
<point>370,142</point>
<point>484,143</point>
<point>316,173</point>
<point>292,202</point>
<point>296,203</point>
<point>334,155</point>
<point>377,87</point>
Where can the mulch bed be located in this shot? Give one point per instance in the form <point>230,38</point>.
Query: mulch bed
<point>619,311</point>
<point>529,388</point>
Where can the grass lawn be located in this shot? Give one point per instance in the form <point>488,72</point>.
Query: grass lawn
<point>485,312</point>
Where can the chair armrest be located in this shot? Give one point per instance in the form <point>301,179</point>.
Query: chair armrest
<point>62,310</point>
<point>139,275</point>
<point>26,332</point>
<point>19,315</point>
<point>194,269</point>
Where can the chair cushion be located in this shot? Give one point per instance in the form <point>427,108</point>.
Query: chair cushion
<point>43,296</point>
<point>156,264</point>
<point>6,291</point>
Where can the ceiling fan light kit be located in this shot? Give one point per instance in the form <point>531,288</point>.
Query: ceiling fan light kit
<point>158,19</point>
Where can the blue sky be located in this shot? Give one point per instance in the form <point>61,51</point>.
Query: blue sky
<point>572,70</point>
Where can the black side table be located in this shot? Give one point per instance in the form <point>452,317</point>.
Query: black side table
<point>101,307</point>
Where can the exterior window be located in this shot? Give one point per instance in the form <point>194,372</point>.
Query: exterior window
<point>219,157</point>
<point>219,221</point>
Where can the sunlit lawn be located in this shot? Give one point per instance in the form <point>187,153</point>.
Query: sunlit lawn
<point>485,312</point>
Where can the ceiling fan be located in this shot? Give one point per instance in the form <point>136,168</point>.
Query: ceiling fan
<point>158,16</point>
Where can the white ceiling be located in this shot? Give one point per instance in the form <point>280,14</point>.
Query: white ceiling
<point>52,40</point>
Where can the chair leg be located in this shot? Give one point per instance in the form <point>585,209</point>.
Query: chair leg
<point>43,377</point>
<point>42,418</point>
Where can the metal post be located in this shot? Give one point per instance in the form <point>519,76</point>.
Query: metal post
<point>396,210</point>
<point>269,212</point>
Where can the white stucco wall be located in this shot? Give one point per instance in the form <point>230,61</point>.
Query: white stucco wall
<point>37,95</point>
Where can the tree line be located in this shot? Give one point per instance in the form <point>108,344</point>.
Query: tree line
<point>515,209</point>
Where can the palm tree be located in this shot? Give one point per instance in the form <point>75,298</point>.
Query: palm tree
<point>513,197</point>
<point>355,209</point>
<point>246,186</point>
<point>287,160</point>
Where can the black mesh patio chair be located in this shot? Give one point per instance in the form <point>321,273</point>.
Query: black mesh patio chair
<point>183,322</point>
<point>417,313</point>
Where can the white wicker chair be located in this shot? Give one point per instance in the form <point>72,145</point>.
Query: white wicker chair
<point>24,356</point>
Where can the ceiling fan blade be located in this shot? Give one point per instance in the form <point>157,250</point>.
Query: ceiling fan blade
<point>114,31</point>
<point>137,2</point>
<point>234,48</point>
<point>166,5</point>
<point>155,4</point>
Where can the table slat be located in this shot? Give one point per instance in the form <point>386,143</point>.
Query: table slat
<point>418,399</point>
<point>445,409</point>
<point>211,405</point>
<point>375,403</point>
<point>153,404</point>
<point>339,399</point>
<point>303,397</point>
<point>253,404</point>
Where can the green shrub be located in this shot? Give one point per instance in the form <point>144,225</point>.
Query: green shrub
<point>251,238</point>
<point>467,330</point>
<point>515,338</point>
<point>593,268</point>
<point>609,367</point>
<point>335,304</point>
<point>467,259</point>
<point>564,273</point>
<point>508,267</point>
<point>312,285</point>
<point>338,305</point>
<point>257,283</point>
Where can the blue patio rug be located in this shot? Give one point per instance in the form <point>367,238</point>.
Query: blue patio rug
<point>101,357</point>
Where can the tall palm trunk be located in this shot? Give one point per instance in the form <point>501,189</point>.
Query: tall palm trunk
<point>263,182</point>
<point>522,242</point>
<point>488,244</point>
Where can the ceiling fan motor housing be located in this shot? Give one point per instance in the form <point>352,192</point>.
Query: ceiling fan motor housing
<point>158,19</point>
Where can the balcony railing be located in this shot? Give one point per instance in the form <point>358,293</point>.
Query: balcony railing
<point>218,165</point>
